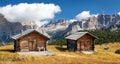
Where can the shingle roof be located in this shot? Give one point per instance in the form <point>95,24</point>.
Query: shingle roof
<point>29,31</point>
<point>78,35</point>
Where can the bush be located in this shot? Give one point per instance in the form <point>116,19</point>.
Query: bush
<point>59,42</point>
<point>117,51</point>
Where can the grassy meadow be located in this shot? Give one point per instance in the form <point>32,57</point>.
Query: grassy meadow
<point>62,56</point>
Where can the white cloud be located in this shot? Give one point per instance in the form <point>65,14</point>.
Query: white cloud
<point>85,15</point>
<point>95,15</point>
<point>72,20</point>
<point>41,23</point>
<point>29,12</point>
<point>118,13</point>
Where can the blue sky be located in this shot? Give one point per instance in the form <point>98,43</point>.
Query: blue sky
<point>71,8</point>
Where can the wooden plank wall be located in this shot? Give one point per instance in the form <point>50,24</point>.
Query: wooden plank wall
<point>85,43</point>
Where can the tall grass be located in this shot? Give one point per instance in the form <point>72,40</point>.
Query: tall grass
<point>101,56</point>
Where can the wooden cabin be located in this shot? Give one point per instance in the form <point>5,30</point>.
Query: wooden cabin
<point>31,40</point>
<point>80,41</point>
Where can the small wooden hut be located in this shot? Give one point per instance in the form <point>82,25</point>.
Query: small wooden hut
<point>31,40</point>
<point>80,41</point>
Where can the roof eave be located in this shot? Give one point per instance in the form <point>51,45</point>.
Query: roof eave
<point>71,38</point>
<point>15,38</point>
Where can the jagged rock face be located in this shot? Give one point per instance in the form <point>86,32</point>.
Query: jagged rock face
<point>102,21</point>
<point>111,22</point>
<point>8,29</point>
<point>75,26</point>
<point>61,24</point>
<point>115,27</point>
<point>29,24</point>
<point>107,20</point>
<point>93,23</point>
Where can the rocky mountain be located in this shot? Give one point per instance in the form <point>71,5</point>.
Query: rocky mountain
<point>53,25</point>
<point>103,21</point>
<point>108,20</point>
<point>115,27</point>
<point>8,29</point>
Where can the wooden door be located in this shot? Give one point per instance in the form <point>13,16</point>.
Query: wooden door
<point>85,45</point>
<point>82,45</point>
<point>79,45</point>
<point>89,45</point>
<point>32,45</point>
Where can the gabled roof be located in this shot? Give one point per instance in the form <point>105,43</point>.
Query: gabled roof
<point>41,32</point>
<point>78,35</point>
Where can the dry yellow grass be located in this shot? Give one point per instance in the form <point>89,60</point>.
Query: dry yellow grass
<point>62,56</point>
